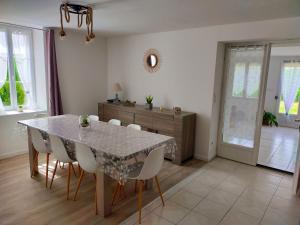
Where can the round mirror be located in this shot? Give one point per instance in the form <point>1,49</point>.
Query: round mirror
<point>152,60</point>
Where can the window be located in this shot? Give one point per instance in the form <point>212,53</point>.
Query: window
<point>290,88</point>
<point>16,69</point>
<point>246,80</point>
<point>239,80</point>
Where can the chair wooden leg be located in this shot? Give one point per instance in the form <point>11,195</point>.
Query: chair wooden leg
<point>96,204</point>
<point>73,169</point>
<point>141,183</point>
<point>69,177</point>
<point>78,184</point>
<point>53,175</point>
<point>116,193</point>
<point>135,186</point>
<point>123,191</point>
<point>79,169</point>
<point>158,187</point>
<point>35,162</point>
<point>47,166</point>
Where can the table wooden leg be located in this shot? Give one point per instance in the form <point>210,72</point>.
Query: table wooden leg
<point>104,189</point>
<point>32,156</point>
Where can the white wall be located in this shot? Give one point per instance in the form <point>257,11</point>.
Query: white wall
<point>82,72</point>
<point>13,137</point>
<point>188,69</point>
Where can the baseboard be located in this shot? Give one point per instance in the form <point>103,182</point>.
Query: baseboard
<point>201,157</point>
<point>12,154</point>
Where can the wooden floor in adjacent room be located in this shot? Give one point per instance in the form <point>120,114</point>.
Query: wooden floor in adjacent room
<point>24,200</point>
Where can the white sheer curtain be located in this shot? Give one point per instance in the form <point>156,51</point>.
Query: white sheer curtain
<point>242,92</point>
<point>21,54</point>
<point>3,62</point>
<point>290,82</point>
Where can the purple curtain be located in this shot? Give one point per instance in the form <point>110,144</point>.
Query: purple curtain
<point>55,102</point>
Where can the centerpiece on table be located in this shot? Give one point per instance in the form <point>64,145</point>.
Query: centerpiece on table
<point>84,121</point>
<point>149,103</point>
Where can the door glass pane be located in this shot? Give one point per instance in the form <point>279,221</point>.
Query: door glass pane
<point>22,67</point>
<point>253,80</point>
<point>240,113</point>
<point>5,94</point>
<point>239,80</point>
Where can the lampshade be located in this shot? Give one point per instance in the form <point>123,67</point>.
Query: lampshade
<point>117,87</point>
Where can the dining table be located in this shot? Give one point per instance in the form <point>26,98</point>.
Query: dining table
<point>115,148</point>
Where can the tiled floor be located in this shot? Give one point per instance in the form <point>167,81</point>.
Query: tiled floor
<point>278,147</point>
<point>224,192</point>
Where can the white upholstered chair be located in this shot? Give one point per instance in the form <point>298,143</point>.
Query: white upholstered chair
<point>94,118</point>
<point>87,162</point>
<point>152,165</point>
<point>41,146</point>
<point>120,190</point>
<point>60,153</point>
<point>135,126</point>
<point>115,122</point>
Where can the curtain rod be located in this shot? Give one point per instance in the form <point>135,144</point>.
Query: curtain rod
<point>15,25</point>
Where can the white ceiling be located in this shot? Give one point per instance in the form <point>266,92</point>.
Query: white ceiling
<point>115,17</point>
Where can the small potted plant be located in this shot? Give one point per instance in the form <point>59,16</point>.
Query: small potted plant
<point>149,100</point>
<point>269,119</point>
<point>20,108</point>
<point>84,120</point>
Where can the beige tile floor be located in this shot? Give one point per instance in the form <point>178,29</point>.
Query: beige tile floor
<point>224,192</point>
<point>278,148</point>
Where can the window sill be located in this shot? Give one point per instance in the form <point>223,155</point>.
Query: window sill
<point>25,111</point>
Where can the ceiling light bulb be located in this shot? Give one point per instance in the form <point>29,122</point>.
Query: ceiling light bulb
<point>62,35</point>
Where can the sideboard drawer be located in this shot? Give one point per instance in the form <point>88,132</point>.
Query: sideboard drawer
<point>163,126</point>
<point>143,120</point>
<point>126,117</point>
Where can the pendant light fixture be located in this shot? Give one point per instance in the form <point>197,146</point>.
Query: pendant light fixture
<point>83,13</point>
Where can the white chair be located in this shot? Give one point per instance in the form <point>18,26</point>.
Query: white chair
<point>152,165</point>
<point>115,122</point>
<point>135,126</point>
<point>87,162</point>
<point>120,190</point>
<point>41,146</point>
<point>60,153</point>
<point>94,118</point>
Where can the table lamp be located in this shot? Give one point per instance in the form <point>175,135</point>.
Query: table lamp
<point>116,88</point>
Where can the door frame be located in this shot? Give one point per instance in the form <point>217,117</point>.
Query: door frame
<point>244,154</point>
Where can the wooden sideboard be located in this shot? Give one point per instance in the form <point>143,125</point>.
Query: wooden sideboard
<point>181,126</point>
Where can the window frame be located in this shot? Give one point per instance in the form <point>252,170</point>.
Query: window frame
<point>247,66</point>
<point>12,77</point>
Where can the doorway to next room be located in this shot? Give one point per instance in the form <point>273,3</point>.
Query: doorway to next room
<point>279,139</point>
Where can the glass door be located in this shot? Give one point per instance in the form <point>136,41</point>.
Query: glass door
<point>241,115</point>
<point>289,93</point>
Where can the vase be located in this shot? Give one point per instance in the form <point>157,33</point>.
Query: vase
<point>149,106</point>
